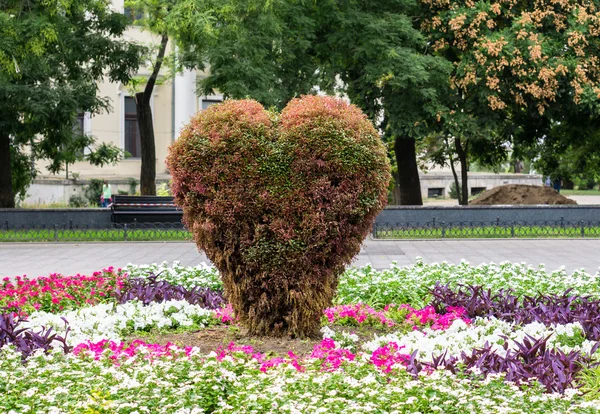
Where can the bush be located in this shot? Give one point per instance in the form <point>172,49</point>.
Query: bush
<point>453,193</point>
<point>93,192</point>
<point>132,185</point>
<point>280,203</point>
<point>77,201</point>
<point>585,183</point>
<point>163,189</point>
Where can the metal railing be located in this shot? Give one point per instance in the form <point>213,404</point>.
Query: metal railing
<point>66,232</point>
<point>113,232</point>
<point>487,229</point>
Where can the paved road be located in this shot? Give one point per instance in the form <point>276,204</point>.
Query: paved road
<point>71,258</point>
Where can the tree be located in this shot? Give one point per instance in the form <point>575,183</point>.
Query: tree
<point>527,67</point>
<point>371,51</point>
<point>568,152</point>
<point>378,52</point>
<point>485,147</point>
<point>266,53</point>
<point>184,24</point>
<point>51,56</point>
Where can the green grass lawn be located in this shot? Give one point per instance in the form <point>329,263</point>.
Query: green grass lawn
<point>580,192</point>
<point>62,235</point>
<point>490,232</point>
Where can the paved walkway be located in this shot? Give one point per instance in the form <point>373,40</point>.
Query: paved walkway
<point>35,259</point>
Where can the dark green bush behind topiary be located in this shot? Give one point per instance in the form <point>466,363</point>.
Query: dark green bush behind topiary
<point>280,204</point>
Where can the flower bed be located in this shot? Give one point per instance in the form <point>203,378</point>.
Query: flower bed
<point>421,338</point>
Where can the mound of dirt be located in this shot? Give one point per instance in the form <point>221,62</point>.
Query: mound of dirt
<point>512,194</point>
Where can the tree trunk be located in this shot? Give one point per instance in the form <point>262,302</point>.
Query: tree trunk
<point>148,173</point>
<point>144,118</point>
<point>456,185</point>
<point>396,190</point>
<point>408,172</point>
<point>462,157</point>
<point>7,198</point>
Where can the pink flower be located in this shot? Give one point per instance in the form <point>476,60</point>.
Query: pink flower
<point>387,356</point>
<point>332,357</point>
<point>225,314</point>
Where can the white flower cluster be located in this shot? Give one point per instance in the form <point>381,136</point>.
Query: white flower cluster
<point>460,337</point>
<point>406,284</point>
<point>411,284</point>
<point>65,383</point>
<point>202,275</point>
<point>107,321</point>
<point>345,340</point>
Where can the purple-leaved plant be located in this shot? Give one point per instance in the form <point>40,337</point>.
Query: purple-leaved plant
<point>532,360</point>
<point>26,340</point>
<point>150,289</point>
<point>505,305</point>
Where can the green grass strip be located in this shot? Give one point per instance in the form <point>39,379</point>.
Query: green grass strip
<point>71,235</point>
<point>489,232</point>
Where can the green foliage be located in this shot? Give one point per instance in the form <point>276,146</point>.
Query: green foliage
<point>453,193</point>
<point>23,172</point>
<point>264,52</point>
<point>77,200</point>
<point>280,204</point>
<point>93,192</point>
<point>590,383</point>
<point>52,55</point>
<point>371,51</point>
<point>105,154</point>
<point>163,189</point>
<point>133,183</point>
<point>589,183</point>
<point>513,74</point>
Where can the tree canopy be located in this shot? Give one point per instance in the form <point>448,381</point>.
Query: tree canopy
<point>530,69</point>
<point>371,51</point>
<point>52,54</point>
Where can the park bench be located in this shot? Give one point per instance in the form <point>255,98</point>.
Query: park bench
<point>144,209</point>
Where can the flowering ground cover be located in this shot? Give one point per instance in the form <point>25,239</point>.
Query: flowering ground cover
<point>421,338</point>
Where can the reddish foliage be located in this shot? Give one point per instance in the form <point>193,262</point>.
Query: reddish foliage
<point>280,204</point>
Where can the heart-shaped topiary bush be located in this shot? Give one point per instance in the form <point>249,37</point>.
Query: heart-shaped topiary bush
<point>280,203</point>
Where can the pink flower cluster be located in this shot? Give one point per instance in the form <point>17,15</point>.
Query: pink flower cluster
<point>392,315</point>
<point>389,355</point>
<point>384,358</point>
<point>119,350</point>
<point>326,350</point>
<point>429,317</point>
<point>56,292</point>
<point>265,364</point>
<point>225,315</point>
<point>332,357</point>
<point>357,314</point>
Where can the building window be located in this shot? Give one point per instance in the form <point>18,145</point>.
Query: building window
<point>132,14</point>
<point>133,144</point>
<point>477,190</point>
<point>435,192</point>
<point>79,124</point>
<point>206,102</point>
<point>79,130</point>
